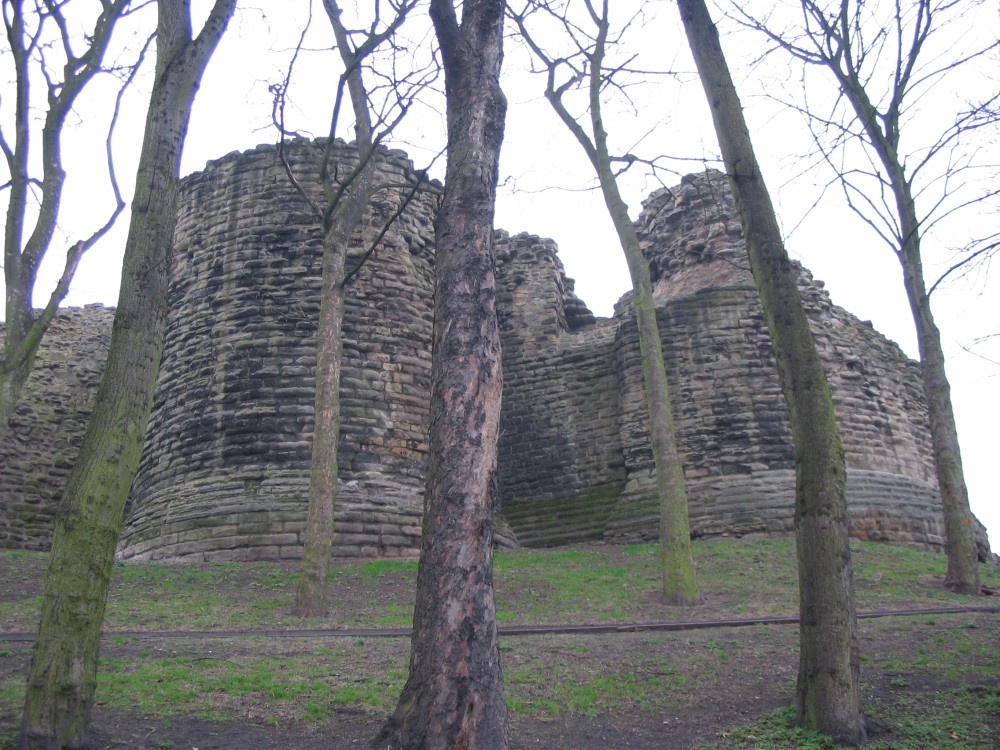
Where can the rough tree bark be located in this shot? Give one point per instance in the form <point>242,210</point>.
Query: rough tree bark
<point>828,693</point>
<point>62,677</point>
<point>454,696</point>
<point>679,583</point>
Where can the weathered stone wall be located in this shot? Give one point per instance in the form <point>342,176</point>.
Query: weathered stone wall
<point>560,452</point>
<point>731,418</point>
<point>47,427</point>
<point>225,469</point>
<point>730,414</point>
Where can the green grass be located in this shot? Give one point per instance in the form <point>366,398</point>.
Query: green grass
<point>382,568</point>
<point>741,578</point>
<point>571,585</point>
<point>559,677</point>
<point>953,720</point>
<point>398,616</point>
<point>306,685</point>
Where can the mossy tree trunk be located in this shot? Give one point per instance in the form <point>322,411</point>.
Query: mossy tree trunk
<point>680,585</point>
<point>62,677</point>
<point>454,697</point>
<point>828,692</point>
<point>960,545</point>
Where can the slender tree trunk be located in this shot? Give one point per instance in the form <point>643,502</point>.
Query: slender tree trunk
<point>311,593</point>
<point>680,586</point>
<point>22,258</point>
<point>454,697</point>
<point>62,677</point>
<point>342,215</point>
<point>960,543</point>
<point>828,693</point>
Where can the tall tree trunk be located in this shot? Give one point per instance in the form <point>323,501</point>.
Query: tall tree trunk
<point>454,697</point>
<point>828,693</point>
<point>960,543</point>
<point>342,214</point>
<point>62,677</point>
<point>679,585</point>
<point>311,592</point>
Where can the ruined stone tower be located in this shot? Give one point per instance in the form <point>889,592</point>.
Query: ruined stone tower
<point>575,456</point>
<point>225,469</point>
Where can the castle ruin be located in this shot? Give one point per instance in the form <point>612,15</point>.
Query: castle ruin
<point>224,474</point>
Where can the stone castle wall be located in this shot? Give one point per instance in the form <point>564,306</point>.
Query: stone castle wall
<point>562,369</point>
<point>731,418</point>
<point>47,427</point>
<point>225,471</point>
<point>560,449</point>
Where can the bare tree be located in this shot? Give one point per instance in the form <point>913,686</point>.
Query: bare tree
<point>341,211</point>
<point>47,48</point>
<point>63,672</point>
<point>828,693</point>
<point>586,67</point>
<point>454,697</point>
<point>886,60</point>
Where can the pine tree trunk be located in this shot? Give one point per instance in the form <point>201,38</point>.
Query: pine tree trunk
<point>454,697</point>
<point>62,677</point>
<point>829,663</point>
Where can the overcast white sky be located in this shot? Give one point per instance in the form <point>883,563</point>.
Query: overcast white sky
<point>545,191</point>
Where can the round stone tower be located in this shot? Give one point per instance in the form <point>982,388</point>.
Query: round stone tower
<point>224,473</point>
